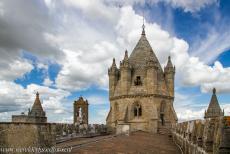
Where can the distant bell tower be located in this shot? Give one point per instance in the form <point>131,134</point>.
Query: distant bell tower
<point>81,111</point>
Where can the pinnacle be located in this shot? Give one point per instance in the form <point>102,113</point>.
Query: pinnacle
<point>126,55</point>
<point>214,107</point>
<point>37,104</point>
<point>169,64</point>
<point>143,29</point>
<point>214,90</point>
<point>114,63</point>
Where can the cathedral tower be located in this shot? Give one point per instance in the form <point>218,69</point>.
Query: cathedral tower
<point>141,93</point>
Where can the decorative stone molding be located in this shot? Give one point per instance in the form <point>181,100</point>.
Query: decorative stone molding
<point>140,95</point>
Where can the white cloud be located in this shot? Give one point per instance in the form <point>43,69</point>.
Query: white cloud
<point>192,6</point>
<point>215,43</point>
<point>196,73</point>
<point>190,114</point>
<point>226,108</point>
<point>186,5</point>
<point>100,116</point>
<point>97,100</point>
<point>15,69</point>
<point>94,9</point>
<point>1,9</point>
<point>48,82</point>
<point>41,65</point>
<point>14,97</point>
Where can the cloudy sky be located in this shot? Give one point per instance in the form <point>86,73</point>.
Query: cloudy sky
<point>63,48</point>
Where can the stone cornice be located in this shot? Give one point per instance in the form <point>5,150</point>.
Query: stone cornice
<point>140,95</point>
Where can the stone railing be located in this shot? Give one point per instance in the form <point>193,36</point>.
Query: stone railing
<point>210,136</point>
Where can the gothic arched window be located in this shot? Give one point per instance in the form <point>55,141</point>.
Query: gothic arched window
<point>137,110</point>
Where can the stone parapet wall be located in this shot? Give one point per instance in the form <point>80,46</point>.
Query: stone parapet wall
<point>27,135</point>
<point>209,136</point>
<point>28,119</point>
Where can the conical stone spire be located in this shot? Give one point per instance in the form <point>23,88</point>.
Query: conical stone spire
<point>125,62</point>
<point>37,107</point>
<point>126,55</point>
<point>114,63</point>
<point>169,64</point>
<point>214,109</point>
<point>169,67</point>
<point>142,53</point>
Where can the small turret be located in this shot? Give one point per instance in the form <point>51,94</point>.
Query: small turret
<point>125,74</point>
<point>37,109</point>
<point>214,109</point>
<point>113,77</point>
<point>113,68</point>
<point>169,72</point>
<point>125,61</point>
<point>151,77</point>
<point>169,67</point>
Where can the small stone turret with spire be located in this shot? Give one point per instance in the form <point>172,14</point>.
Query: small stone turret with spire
<point>37,109</point>
<point>113,77</point>
<point>35,115</point>
<point>214,109</point>
<point>169,72</point>
<point>125,71</point>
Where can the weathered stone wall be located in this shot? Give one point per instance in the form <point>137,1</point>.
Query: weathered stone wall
<point>25,135</point>
<point>210,136</point>
<point>29,119</point>
<point>122,112</point>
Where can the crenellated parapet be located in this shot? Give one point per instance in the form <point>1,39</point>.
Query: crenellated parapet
<point>210,136</point>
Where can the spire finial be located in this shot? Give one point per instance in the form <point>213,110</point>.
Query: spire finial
<point>37,94</point>
<point>143,25</point>
<point>214,90</point>
<point>126,53</point>
<point>114,63</point>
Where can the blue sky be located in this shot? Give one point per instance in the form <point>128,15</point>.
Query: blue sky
<point>63,49</point>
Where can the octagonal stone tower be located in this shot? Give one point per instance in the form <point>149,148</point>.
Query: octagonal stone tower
<point>141,93</point>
